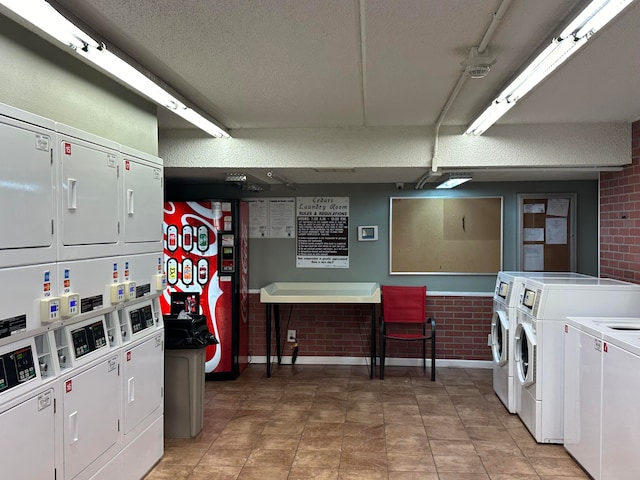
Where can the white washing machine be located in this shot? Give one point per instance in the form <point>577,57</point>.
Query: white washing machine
<point>27,414</point>
<point>583,367</point>
<point>90,391</point>
<point>539,347</point>
<point>503,325</point>
<point>620,412</point>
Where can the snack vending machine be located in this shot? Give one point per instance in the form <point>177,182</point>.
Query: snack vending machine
<point>207,265</point>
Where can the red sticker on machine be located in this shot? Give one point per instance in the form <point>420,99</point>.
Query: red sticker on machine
<point>128,356</point>
<point>566,329</point>
<point>127,166</point>
<point>68,386</point>
<point>67,148</point>
<point>605,348</point>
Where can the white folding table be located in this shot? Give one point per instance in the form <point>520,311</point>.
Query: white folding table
<point>276,293</point>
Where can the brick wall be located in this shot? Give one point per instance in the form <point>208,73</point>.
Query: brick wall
<point>620,218</point>
<point>462,327</point>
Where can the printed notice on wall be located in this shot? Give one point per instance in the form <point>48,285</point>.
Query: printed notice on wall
<point>323,232</point>
<point>271,217</point>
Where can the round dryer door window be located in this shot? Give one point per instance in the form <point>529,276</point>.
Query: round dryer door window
<point>500,337</point>
<point>525,354</point>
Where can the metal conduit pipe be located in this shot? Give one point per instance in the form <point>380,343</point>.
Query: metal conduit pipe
<point>486,38</point>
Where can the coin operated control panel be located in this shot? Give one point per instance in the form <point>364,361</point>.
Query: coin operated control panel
<point>141,319</point>
<point>16,368</point>
<point>88,338</point>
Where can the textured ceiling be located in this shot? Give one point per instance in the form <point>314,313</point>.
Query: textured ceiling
<point>345,63</point>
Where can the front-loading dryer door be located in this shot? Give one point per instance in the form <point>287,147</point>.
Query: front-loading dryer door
<point>525,353</point>
<point>500,337</point>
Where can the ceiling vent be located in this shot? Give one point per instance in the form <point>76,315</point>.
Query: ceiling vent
<point>478,65</point>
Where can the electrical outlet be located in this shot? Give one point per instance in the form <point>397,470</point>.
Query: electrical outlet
<point>291,336</point>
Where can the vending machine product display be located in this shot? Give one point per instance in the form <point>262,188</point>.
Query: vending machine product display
<point>206,262</point>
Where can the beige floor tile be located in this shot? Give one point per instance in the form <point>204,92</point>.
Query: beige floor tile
<point>262,473</point>
<point>458,464</point>
<point>504,447</point>
<point>511,476</point>
<point>556,466</point>
<point>222,457</point>
<point>464,476</point>
<point>304,473</point>
<point>509,465</point>
<point>452,447</point>
<point>413,476</point>
<point>221,472</point>
<point>317,459</point>
<point>406,462</point>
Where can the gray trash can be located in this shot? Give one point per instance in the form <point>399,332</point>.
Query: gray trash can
<point>184,358</point>
<point>183,392</point>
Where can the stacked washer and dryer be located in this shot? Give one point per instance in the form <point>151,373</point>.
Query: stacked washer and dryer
<point>80,324</point>
<point>539,345</point>
<point>506,296</point>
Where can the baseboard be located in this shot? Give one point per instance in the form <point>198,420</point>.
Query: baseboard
<point>390,362</point>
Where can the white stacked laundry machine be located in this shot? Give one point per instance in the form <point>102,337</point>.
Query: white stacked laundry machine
<point>80,324</point>
<point>509,286</point>
<point>539,349</point>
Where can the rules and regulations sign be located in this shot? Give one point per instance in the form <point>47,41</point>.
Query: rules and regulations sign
<point>322,232</point>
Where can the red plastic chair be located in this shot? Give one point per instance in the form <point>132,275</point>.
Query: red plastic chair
<point>404,308</point>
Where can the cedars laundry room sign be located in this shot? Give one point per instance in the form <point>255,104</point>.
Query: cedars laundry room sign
<point>322,227</point>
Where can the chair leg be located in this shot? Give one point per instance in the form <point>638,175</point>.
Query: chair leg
<point>424,354</point>
<point>433,356</point>
<point>382,355</point>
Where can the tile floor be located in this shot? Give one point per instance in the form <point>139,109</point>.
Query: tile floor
<point>332,422</point>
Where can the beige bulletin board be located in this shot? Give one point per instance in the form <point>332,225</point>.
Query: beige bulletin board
<point>445,235</point>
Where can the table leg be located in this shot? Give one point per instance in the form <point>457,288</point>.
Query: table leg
<point>268,339</point>
<point>277,324</point>
<point>373,340</point>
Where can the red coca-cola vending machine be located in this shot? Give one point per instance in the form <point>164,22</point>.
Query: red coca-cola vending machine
<point>207,265</point>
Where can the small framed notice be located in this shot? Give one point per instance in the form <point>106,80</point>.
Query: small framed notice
<point>368,233</point>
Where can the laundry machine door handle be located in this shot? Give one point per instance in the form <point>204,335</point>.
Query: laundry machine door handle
<point>73,428</point>
<point>131,390</point>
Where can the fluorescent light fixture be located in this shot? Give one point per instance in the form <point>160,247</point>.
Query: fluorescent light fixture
<point>235,177</point>
<point>246,182</point>
<point>454,180</point>
<point>46,18</point>
<point>594,16</point>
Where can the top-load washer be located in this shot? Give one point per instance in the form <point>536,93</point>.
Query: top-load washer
<point>620,413</point>
<point>539,350</point>
<point>503,326</point>
<point>583,378</point>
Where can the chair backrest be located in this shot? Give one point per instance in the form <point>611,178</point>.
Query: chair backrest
<point>403,304</point>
